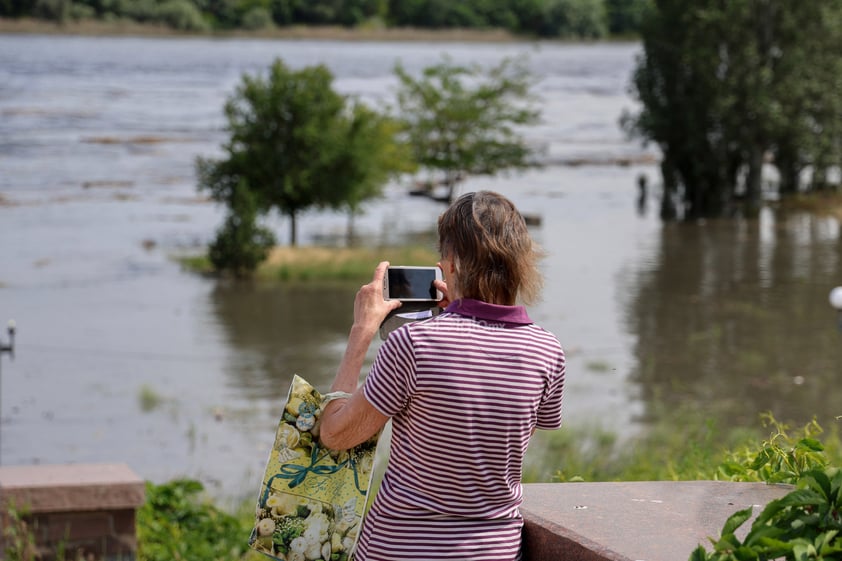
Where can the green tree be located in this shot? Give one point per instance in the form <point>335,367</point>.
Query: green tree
<point>296,144</point>
<point>584,19</point>
<point>726,86</point>
<point>461,120</point>
<point>333,12</point>
<point>370,158</point>
<point>283,141</point>
<point>625,16</point>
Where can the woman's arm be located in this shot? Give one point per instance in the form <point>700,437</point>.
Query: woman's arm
<point>348,422</point>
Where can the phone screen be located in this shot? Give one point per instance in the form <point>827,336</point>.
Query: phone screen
<point>412,284</point>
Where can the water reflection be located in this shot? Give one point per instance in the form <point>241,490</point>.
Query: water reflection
<point>733,318</point>
<point>281,330</point>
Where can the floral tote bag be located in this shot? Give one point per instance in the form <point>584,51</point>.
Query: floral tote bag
<point>312,499</point>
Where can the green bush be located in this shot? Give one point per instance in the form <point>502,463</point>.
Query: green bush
<point>175,524</point>
<point>55,10</point>
<point>81,11</point>
<point>257,18</point>
<point>581,19</point>
<point>182,15</point>
<point>138,10</point>
<point>804,524</point>
<point>240,244</point>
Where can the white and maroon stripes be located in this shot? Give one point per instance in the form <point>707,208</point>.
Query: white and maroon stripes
<point>464,394</point>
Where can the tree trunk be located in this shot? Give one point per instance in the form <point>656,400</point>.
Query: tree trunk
<point>293,229</point>
<point>450,180</point>
<point>754,180</point>
<point>668,211</point>
<point>789,172</point>
<point>350,233</point>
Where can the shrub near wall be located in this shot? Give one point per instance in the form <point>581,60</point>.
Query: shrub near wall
<point>176,524</point>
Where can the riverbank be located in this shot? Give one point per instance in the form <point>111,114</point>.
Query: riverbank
<point>297,32</point>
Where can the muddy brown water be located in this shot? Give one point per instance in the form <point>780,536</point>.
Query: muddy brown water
<point>121,356</point>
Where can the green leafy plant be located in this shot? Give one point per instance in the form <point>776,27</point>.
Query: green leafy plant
<point>800,526</point>
<point>18,536</point>
<point>783,458</point>
<point>176,525</point>
<point>803,525</point>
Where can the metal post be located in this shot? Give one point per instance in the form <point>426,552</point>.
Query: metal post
<point>6,348</point>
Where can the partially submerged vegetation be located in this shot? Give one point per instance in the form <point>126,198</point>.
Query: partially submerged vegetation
<point>307,263</point>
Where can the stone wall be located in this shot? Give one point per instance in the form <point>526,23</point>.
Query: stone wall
<point>85,510</point>
<point>633,521</point>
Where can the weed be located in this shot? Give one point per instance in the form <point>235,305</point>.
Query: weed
<point>149,399</point>
<point>19,538</point>
<point>599,366</point>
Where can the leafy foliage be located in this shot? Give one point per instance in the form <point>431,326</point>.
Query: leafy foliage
<point>175,525</point>
<point>295,144</point>
<point>802,525</point>
<point>240,244</point>
<point>783,458</point>
<point>549,18</point>
<point>724,86</point>
<point>462,120</point>
<point>17,537</point>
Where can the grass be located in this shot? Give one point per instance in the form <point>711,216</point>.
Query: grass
<point>291,264</point>
<point>683,446</point>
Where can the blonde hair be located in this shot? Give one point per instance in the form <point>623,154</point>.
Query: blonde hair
<point>494,256</point>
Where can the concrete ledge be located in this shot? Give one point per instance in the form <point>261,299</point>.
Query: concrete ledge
<point>633,521</point>
<point>88,510</point>
<point>72,487</point>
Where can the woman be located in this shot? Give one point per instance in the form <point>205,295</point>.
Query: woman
<point>465,391</point>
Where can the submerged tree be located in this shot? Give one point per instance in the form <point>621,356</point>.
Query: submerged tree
<point>727,86</point>
<point>296,144</point>
<point>460,120</point>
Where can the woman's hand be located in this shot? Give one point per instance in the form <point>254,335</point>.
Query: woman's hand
<point>441,286</point>
<point>370,308</point>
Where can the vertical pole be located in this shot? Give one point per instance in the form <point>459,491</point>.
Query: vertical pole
<point>6,348</point>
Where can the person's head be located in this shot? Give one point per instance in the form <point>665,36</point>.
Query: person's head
<point>494,259</point>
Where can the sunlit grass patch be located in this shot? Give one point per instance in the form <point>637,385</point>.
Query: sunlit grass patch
<point>324,263</point>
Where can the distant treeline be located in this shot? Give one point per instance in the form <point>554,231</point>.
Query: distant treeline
<point>539,18</point>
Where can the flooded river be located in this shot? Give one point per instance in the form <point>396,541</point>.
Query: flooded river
<point>123,357</point>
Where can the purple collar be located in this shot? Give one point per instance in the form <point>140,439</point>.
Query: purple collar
<point>489,312</point>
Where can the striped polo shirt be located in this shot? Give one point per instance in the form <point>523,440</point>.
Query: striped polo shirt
<point>465,390</point>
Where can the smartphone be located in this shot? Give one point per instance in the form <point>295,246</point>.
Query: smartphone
<point>412,284</point>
